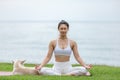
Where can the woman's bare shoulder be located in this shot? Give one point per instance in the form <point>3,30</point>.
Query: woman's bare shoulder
<point>72,41</point>
<point>53,42</point>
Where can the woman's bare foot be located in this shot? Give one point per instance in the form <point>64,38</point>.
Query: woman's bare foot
<point>73,74</point>
<point>87,74</point>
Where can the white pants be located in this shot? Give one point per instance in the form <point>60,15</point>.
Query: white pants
<point>61,68</point>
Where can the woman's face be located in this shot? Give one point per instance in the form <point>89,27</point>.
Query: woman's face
<point>63,29</point>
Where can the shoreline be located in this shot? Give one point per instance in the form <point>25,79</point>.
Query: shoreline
<point>51,64</point>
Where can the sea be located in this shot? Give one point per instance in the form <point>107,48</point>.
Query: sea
<point>98,42</point>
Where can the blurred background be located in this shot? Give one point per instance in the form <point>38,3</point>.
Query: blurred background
<point>27,27</point>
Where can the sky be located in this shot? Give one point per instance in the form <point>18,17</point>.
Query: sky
<point>82,10</point>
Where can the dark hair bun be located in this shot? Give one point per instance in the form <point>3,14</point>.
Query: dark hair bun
<point>63,22</point>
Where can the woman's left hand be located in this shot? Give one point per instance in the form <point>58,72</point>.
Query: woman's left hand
<point>88,66</point>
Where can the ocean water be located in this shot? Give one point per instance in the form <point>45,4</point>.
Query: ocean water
<point>98,42</point>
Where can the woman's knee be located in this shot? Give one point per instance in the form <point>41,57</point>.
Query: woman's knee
<point>83,69</point>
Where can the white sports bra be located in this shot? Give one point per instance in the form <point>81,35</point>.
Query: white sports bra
<point>59,51</point>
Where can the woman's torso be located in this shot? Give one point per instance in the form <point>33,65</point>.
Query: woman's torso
<point>62,50</point>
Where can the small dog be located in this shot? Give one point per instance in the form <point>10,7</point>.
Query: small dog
<point>20,69</point>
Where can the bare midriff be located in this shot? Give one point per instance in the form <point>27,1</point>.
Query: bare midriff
<point>61,58</point>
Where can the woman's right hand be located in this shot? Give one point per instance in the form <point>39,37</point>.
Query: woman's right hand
<point>88,66</point>
<point>37,67</point>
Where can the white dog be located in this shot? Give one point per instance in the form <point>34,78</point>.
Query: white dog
<point>20,69</point>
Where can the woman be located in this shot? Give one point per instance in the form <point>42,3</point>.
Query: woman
<point>62,49</point>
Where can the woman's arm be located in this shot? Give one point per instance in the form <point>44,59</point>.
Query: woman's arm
<point>77,56</point>
<point>48,56</point>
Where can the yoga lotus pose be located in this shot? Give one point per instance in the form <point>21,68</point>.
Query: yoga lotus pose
<point>62,47</point>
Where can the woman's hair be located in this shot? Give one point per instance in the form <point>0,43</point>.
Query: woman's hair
<point>63,22</point>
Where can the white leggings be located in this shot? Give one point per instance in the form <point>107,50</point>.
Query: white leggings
<point>63,68</point>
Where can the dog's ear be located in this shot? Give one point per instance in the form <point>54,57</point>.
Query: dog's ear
<point>23,61</point>
<point>12,62</point>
